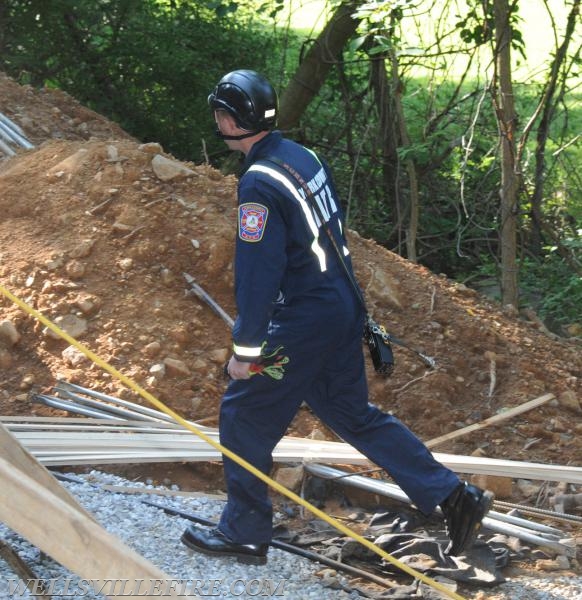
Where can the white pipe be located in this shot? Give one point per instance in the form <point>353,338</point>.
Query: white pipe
<point>394,492</point>
<point>5,148</point>
<point>12,131</point>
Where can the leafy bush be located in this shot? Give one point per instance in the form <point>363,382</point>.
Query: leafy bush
<point>146,64</point>
<point>555,289</point>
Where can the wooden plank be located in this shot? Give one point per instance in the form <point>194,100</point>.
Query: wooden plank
<point>14,453</point>
<point>134,447</point>
<point>124,489</point>
<point>459,464</point>
<point>68,535</point>
<point>21,568</point>
<point>503,416</point>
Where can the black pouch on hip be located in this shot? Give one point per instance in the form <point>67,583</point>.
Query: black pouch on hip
<point>378,341</point>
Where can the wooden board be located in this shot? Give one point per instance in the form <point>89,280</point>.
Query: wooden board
<point>66,534</point>
<point>13,452</point>
<point>503,416</point>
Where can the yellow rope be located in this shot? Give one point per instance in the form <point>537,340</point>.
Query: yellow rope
<point>225,451</point>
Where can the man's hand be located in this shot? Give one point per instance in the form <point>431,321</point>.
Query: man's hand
<point>237,369</point>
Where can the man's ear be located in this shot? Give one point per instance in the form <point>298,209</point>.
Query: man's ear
<point>227,123</point>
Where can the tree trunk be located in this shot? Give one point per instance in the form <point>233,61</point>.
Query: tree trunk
<point>509,179</point>
<point>388,138</point>
<point>316,64</point>
<point>548,105</point>
<point>412,228</point>
<point>3,24</point>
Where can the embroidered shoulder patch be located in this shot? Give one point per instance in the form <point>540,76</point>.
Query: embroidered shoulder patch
<point>252,219</point>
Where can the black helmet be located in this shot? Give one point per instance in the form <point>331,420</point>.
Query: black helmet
<point>248,97</point>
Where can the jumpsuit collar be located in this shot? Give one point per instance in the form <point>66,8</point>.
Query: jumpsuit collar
<point>262,148</point>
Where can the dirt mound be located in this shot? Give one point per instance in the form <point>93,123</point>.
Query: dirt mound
<point>96,237</point>
<point>52,114</point>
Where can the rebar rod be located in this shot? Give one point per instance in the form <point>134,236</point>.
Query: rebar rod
<point>70,407</point>
<point>283,546</point>
<point>14,136</point>
<point>6,148</point>
<point>66,387</point>
<point>75,401</point>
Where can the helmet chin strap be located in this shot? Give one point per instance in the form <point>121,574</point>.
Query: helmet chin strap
<point>223,136</point>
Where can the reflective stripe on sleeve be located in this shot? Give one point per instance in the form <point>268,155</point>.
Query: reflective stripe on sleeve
<point>247,352</point>
<point>344,248</point>
<point>315,247</point>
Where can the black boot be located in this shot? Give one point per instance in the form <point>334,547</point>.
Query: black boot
<point>464,510</point>
<point>214,542</point>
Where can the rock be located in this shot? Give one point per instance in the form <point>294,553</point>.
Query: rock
<point>200,365</point>
<point>317,434</point>
<point>176,367</point>
<point>152,349</point>
<point>181,335</point>
<point>6,359</point>
<point>490,356</point>
<point>158,370</point>
<point>112,153</point>
<point>150,148</point>
<point>69,166</point>
<point>290,477</point>
<point>75,269</point>
<point>52,264</point>
<point>71,324</point>
<point>87,303</point>
<point>329,578</point>
<point>27,381</point>
<point>58,286</point>
<point>8,333</point>
<point>466,291</point>
<point>167,277</point>
<point>510,310</point>
<point>502,487</point>
<point>569,400</point>
<point>169,170</point>
<point>73,356</point>
<point>125,264</point>
<point>479,452</point>
<point>219,356</point>
<point>384,289</point>
<point>83,249</point>
<point>119,227</point>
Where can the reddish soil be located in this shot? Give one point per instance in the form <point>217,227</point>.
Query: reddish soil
<point>101,237</point>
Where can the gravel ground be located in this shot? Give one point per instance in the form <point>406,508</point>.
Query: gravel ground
<point>155,535</point>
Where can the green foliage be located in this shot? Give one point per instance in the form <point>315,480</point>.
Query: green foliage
<point>554,288</point>
<point>150,64</point>
<point>147,64</point>
<point>548,285</point>
<point>477,25</point>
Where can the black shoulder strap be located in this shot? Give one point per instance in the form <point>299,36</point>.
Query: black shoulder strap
<point>370,323</point>
<point>309,195</point>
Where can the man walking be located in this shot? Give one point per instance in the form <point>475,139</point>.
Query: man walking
<point>298,336</point>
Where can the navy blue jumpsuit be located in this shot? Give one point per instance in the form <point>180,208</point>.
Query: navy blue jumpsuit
<point>294,301</point>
